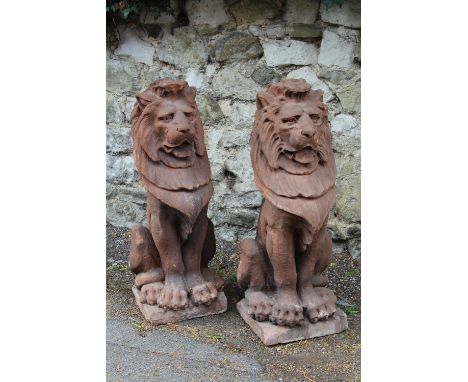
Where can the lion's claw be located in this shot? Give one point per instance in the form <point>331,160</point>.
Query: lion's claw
<point>204,293</point>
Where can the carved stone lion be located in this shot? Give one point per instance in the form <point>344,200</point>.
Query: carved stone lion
<point>170,258</point>
<point>294,169</point>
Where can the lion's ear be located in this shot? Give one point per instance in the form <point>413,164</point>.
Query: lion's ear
<point>192,92</point>
<point>145,98</point>
<point>264,99</point>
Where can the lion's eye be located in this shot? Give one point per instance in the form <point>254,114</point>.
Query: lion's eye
<point>315,117</point>
<point>188,115</point>
<point>167,117</point>
<point>290,119</point>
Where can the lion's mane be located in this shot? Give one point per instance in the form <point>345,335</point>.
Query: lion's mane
<point>307,195</point>
<point>185,189</point>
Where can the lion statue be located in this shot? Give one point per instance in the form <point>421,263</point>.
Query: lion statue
<point>295,171</point>
<point>171,256</point>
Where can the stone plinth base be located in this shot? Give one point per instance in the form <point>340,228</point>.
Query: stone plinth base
<point>273,334</point>
<point>158,316</point>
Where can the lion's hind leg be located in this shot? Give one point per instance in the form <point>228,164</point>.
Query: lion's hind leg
<point>145,263</point>
<point>251,276</point>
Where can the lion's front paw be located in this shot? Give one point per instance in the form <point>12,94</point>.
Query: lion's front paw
<point>287,315</point>
<point>172,296</point>
<point>259,305</point>
<point>204,293</point>
<point>319,304</point>
<point>150,292</point>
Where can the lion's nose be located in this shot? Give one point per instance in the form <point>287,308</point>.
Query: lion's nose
<point>307,133</point>
<point>183,129</point>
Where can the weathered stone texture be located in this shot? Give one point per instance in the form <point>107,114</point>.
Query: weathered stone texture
<point>301,11</point>
<point>292,52</point>
<point>206,15</point>
<point>237,46</point>
<point>349,14</point>
<point>255,11</point>
<point>184,48</point>
<point>133,44</point>
<point>336,50</point>
<point>229,82</point>
<point>122,76</point>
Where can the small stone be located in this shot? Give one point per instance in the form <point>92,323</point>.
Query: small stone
<point>229,82</point>
<point>113,112</point>
<point>120,169</point>
<point>265,75</point>
<point>184,48</point>
<point>308,74</point>
<point>206,15</point>
<point>133,44</point>
<point>336,50</point>
<point>122,76</point>
<point>354,248</point>
<point>271,334</point>
<point>348,14</point>
<point>275,31</point>
<point>345,124</point>
<point>301,11</point>
<point>292,52</point>
<point>304,31</point>
<point>210,113</point>
<point>254,11</point>
<point>118,140</point>
<point>158,316</point>
<point>350,97</point>
<point>237,46</point>
<point>257,31</point>
<point>196,79</point>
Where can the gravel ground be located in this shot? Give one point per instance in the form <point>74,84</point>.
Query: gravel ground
<point>325,359</point>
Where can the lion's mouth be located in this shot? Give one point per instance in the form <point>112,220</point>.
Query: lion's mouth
<point>304,156</point>
<point>182,150</point>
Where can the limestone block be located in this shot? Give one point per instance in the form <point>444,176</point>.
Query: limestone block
<point>228,82</point>
<point>336,50</point>
<point>301,11</point>
<point>292,52</point>
<point>237,46</point>
<point>122,76</point>
<point>348,14</point>
<point>254,11</point>
<point>118,140</point>
<point>133,44</point>
<point>184,48</point>
<point>206,15</point>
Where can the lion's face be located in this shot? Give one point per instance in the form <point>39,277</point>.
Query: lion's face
<point>293,131</point>
<point>170,133</point>
<point>300,144</point>
<point>166,124</point>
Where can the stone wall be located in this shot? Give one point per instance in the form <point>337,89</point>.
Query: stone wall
<point>230,50</point>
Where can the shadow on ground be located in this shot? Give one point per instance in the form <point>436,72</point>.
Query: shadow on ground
<point>222,347</point>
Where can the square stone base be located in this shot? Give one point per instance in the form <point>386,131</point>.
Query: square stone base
<point>274,334</point>
<point>159,316</point>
